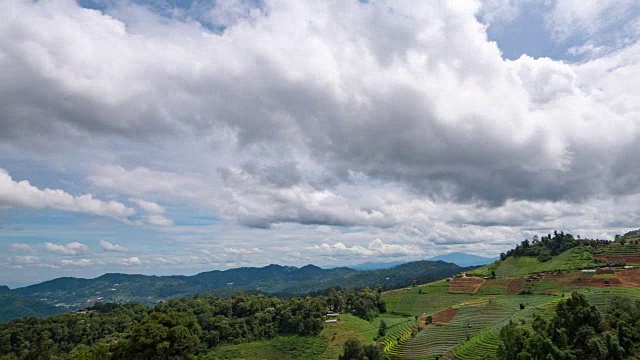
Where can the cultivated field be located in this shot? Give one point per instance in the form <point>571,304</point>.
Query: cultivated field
<point>467,312</point>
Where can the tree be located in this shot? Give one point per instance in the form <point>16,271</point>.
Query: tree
<point>382,329</point>
<point>513,341</point>
<point>352,350</point>
<point>163,336</point>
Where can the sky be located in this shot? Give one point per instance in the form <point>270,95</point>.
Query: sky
<point>181,136</point>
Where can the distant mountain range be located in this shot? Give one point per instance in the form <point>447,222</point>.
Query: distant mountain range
<point>463,259</point>
<point>68,293</point>
<point>458,258</point>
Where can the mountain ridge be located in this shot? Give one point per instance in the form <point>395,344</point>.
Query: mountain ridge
<point>77,293</point>
<point>458,258</point>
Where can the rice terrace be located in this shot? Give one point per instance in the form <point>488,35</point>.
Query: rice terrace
<point>469,315</point>
<point>461,317</point>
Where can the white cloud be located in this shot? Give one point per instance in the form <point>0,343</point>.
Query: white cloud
<point>23,260</point>
<point>70,249</point>
<point>79,262</point>
<point>142,180</point>
<point>328,123</point>
<point>24,248</point>
<point>589,16</point>
<point>23,194</point>
<point>149,206</point>
<point>107,246</point>
<point>239,251</point>
<point>134,260</point>
<point>155,211</point>
<point>375,248</point>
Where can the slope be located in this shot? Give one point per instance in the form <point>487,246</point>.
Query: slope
<point>74,293</point>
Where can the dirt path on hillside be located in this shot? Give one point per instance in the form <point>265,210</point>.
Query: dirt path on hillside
<point>466,284</point>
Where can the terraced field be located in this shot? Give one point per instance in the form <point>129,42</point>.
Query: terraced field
<point>483,343</point>
<point>467,312</point>
<point>466,284</point>
<point>437,340</point>
<point>427,299</point>
<point>470,329</point>
<point>397,335</point>
<point>628,253</point>
<point>493,287</point>
<point>572,259</point>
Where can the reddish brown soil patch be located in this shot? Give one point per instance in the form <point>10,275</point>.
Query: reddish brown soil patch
<point>629,259</point>
<point>441,317</point>
<point>444,316</point>
<point>629,278</point>
<point>515,286</point>
<point>466,284</point>
<point>595,282</point>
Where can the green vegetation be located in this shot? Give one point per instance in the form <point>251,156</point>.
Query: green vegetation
<point>572,259</point>
<point>578,330</point>
<point>275,280</point>
<point>531,309</point>
<point>184,327</point>
<point>545,248</point>
<point>12,308</point>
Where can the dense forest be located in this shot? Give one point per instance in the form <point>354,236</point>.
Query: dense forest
<point>577,331</point>
<point>273,280</point>
<point>545,247</point>
<point>177,329</point>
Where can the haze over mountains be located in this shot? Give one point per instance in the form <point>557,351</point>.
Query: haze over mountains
<point>70,293</point>
<point>458,258</point>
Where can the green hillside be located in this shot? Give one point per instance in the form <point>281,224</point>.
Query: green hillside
<point>575,255</point>
<point>572,259</point>
<point>463,317</point>
<point>12,308</point>
<point>74,294</point>
<point>467,323</point>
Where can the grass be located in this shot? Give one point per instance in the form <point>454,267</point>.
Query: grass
<point>483,343</point>
<point>349,327</point>
<point>254,350</point>
<point>427,299</point>
<point>572,259</point>
<point>493,287</point>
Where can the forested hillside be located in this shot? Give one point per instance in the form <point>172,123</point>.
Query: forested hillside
<point>577,331</point>
<point>286,281</point>
<point>177,329</point>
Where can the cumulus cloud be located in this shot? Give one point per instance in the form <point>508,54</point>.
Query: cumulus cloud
<point>155,211</point>
<point>142,180</point>
<point>134,260</point>
<point>23,194</point>
<point>107,246</point>
<point>400,121</point>
<point>23,248</point>
<point>374,248</point>
<point>22,260</point>
<point>70,249</point>
<point>79,262</point>
<point>239,251</point>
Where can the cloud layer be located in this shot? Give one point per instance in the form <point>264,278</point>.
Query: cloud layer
<point>23,194</point>
<point>398,127</point>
